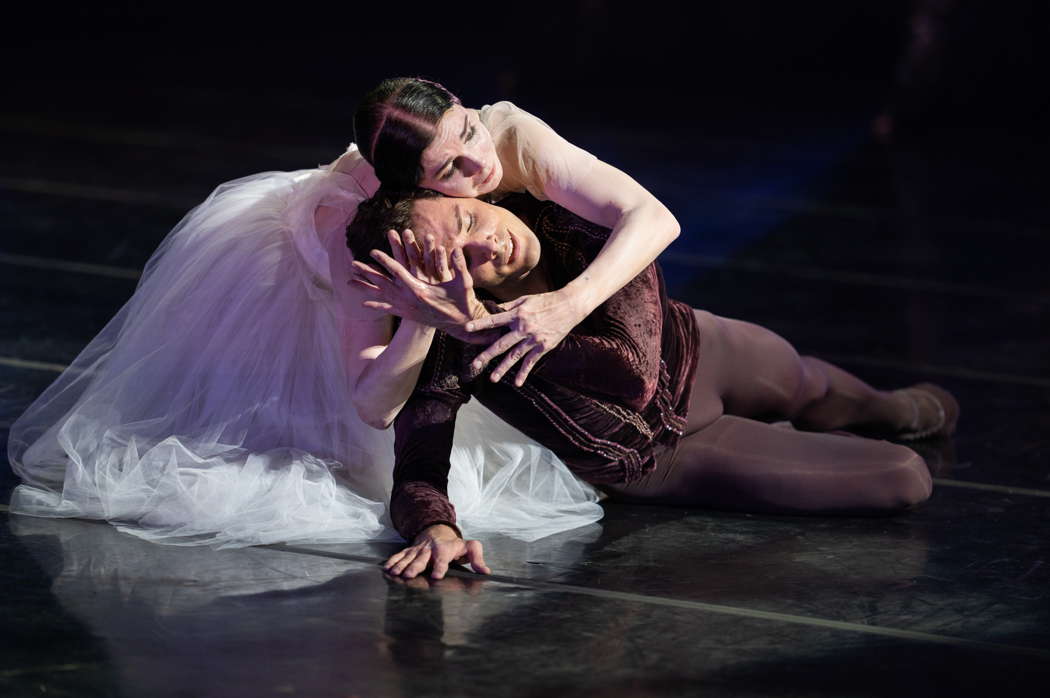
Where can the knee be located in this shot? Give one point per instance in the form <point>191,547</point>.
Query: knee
<point>812,382</point>
<point>908,482</point>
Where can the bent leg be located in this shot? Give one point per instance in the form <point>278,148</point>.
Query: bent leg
<point>749,371</point>
<point>741,464</point>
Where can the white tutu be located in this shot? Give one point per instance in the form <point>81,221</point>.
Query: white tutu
<point>215,407</point>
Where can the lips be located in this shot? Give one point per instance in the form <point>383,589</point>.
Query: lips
<point>513,244</point>
<point>485,181</point>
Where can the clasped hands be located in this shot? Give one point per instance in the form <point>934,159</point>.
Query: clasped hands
<point>422,286</point>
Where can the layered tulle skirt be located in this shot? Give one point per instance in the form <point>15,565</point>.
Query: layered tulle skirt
<point>215,407</point>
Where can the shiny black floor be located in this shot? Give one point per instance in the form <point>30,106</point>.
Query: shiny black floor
<point>920,261</point>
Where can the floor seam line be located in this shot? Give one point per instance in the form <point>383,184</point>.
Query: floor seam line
<point>11,673</point>
<point>877,630</point>
<point>775,616</point>
<point>988,487</point>
<point>52,264</point>
<point>35,365</point>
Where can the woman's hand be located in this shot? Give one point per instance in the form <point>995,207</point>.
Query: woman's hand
<point>436,547</point>
<point>537,324</point>
<point>421,286</point>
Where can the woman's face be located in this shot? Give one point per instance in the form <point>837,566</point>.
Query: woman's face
<point>461,160</point>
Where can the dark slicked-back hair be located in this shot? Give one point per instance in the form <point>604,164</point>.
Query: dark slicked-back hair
<point>385,210</point>
<point>394,124</point>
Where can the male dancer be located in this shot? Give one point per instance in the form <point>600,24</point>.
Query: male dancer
<point>647,399</point>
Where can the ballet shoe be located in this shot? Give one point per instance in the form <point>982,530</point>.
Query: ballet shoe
<point>935,412</point>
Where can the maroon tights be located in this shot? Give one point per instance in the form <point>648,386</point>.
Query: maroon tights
<point>729,459</point>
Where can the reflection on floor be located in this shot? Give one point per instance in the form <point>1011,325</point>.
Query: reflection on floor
<point>902,264</point>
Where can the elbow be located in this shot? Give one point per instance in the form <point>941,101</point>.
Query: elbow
<point>659,219</point>
<point>380,423</point>
<point>377,419</point>
<point>673,227</point>
<point>638,391</point>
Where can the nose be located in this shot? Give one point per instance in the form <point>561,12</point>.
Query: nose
<point>485,246</point>
<point>470,164</point>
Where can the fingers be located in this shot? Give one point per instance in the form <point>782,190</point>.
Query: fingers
<point>414,254</point>
<point>417,565</point>
<point>527,364</point>
<point>496,348</point>
<point>364,285</point>
<point>490,321</point>
<point>429,246</point>
<point>379,305</point>
<point>441,264</point>
<point>413,560</point>
<point>476,558</point>
<point>394,559</point>
<point>459,262</point>
<point>440,566</point>
<point>409,562</point>
<point>513,356</point>
<point>397,248</point>
<point>373,282</point>
<point>397,271</point>
<point>365,272</point>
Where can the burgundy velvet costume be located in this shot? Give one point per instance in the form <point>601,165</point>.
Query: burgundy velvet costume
<point>611,397</point>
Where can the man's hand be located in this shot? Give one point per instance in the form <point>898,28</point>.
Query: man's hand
<point>436,547</point>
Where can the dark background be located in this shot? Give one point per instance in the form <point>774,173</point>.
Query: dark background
<point>911,254</point>
<point>614,61</point>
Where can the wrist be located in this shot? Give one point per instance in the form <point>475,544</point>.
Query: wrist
<point>439,531</point>
<point>416,328</point>
<point>580,298</point>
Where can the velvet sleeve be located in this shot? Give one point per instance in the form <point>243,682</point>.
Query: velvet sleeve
<point>422,444</point>
<point>615,352</point>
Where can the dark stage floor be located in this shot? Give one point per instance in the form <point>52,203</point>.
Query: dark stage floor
<point>925,261</point>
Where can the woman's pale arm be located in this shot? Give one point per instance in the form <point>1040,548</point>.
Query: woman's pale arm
<point>384,364</point>
<point>426,293</point>
<point>642,227</point>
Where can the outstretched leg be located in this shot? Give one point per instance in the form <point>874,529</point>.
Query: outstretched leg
<point>742,464</point>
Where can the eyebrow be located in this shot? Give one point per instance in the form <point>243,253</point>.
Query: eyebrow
<point>462,136</point>
<point>459,221</point>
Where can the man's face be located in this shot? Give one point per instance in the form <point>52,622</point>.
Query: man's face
<point>499,248</point>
